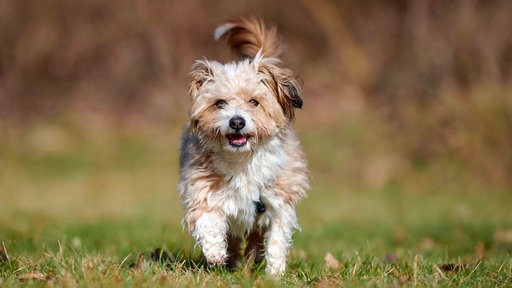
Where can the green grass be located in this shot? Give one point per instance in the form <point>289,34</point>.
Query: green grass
<point>82,211</point>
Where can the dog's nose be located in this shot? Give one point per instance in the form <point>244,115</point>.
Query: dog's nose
<point>237,122</point>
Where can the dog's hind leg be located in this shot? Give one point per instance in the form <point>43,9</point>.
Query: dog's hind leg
<point>234,251</point>
<point>255,249</point>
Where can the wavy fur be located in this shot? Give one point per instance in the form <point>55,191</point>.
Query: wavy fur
<point>225,169</point>
<point>248,35</point>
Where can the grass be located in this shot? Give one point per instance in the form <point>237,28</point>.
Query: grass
<point>88,210</point>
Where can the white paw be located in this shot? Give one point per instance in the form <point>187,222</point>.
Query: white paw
<point>216,257</point>
<point>210,233</point>
<point>275,268</point>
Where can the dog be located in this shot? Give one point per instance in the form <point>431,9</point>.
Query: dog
<point>242,170</point>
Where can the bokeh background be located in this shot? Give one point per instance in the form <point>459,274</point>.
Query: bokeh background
<point>401,99</point>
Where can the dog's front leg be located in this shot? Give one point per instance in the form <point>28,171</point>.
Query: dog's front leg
<point>279,239</point>
<point>210,232</point>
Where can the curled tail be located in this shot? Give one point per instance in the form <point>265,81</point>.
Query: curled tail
<point>247,35</point>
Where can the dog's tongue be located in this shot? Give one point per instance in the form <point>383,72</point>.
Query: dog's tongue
<point>237,139</point>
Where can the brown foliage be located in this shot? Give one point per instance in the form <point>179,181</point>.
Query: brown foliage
<point>438,72</point>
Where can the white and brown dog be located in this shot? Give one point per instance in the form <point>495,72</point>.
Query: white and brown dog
<point>242,168</point>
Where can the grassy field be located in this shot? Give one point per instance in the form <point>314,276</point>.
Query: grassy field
<point>90,209</point>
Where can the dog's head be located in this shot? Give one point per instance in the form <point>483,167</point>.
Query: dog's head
<point>238,105</point>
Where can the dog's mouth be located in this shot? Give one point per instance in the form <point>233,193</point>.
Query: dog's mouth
<point>237,139</point>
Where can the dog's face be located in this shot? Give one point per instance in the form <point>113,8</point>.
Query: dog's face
<point>237,106</point>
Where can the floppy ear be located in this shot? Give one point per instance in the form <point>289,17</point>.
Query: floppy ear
<point>201,73</point>
<point>283,83</point>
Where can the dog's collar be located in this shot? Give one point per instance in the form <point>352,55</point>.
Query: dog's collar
<point>260,207</point>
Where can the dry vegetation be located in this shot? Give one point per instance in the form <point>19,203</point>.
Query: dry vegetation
<point>431,78</point>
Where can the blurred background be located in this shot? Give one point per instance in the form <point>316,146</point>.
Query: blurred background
<point>408,97</point>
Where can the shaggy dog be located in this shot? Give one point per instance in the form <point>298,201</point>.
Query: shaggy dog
<point>242,168</point>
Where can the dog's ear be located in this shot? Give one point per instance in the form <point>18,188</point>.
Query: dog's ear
<point>201,73</point>
<point>283,83</point>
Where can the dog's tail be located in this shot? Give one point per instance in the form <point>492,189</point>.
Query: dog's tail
<point>248,35</point>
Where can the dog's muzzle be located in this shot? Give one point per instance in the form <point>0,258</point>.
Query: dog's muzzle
<point>237,139</point>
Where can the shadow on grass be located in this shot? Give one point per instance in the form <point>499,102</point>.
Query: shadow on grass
<point>170,260</point>
<point>178,260</point>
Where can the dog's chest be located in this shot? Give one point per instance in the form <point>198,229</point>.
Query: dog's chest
<point>245,185</point>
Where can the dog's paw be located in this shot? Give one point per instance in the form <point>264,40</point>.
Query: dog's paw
<point>275,268</point>
<point>216,258</point>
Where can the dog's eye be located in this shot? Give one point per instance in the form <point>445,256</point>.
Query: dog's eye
<point>254,102</point>
<point>220,103</point>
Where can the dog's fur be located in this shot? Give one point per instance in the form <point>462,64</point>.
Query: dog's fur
<point>240,148</point>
